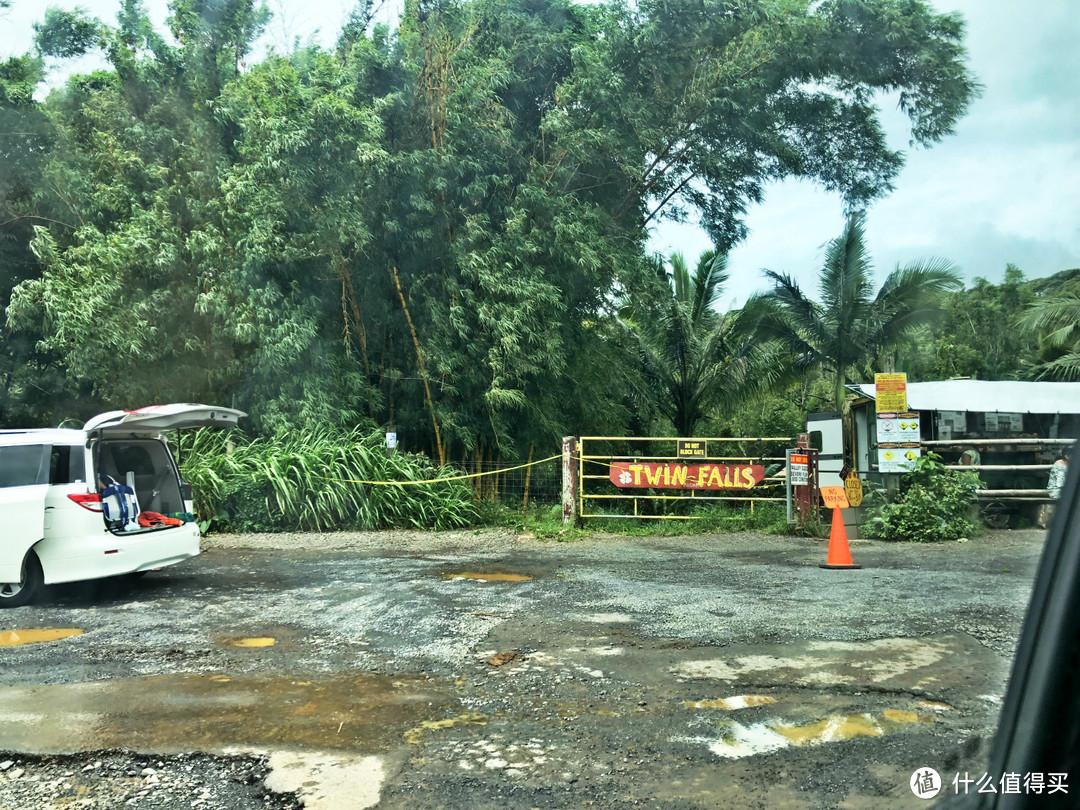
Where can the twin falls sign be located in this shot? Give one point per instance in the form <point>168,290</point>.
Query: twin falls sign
<point>627,474</point>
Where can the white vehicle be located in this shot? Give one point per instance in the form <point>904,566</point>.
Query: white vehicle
<point>55,524</point>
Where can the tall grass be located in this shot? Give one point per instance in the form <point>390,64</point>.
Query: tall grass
<point>310,480</point>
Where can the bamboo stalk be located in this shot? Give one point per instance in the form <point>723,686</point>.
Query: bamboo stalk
<point>528,474</point>
<point>423,370</point>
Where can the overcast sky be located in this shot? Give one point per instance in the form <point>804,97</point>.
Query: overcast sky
<point>1005,188</point>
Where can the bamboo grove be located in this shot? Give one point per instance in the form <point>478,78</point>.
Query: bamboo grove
<point>440,226</point>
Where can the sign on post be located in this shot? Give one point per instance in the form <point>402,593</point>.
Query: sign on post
<point>898,436</point>
<point>909,427</point>
<point>898,458</point>
<point>624,474</point>
<point>890,392</point>
<point>799,470</point>
<point>692,448</point>
<point>853,489</point>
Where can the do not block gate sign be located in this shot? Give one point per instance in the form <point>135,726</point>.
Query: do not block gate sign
<point>799,469</point>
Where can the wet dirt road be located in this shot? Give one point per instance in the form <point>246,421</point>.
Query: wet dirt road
<point>476,670</point>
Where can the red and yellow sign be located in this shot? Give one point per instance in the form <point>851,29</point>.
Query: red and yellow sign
<point>686,476</point>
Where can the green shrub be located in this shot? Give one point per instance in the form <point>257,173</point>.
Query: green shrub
<point>716,518</point>
<point>932,504</point>
<point>313,481</point>
<point>545,522</point>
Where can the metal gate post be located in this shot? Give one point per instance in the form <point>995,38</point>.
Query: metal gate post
<point>569,480</point>
<point>787,485</point>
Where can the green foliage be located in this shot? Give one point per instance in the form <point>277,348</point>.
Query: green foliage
<point>968,339</point>
<point>851,326</point>
<point>65,33</point>
<point>767,518</point>
<point>312,480</point>
<point>1055,319</point>
<point>694,360</point>
<point>545,522</point>
<point>771,415</point>
<point>932,504</point>
<point>187,224</point>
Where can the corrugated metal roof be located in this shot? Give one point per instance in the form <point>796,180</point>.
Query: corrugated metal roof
<point>1005,396</point>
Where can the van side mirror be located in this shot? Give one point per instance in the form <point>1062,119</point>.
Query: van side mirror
<point>815,440</point>
<point>185,491</point>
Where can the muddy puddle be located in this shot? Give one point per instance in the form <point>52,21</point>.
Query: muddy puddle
<point>730,703</point>
<point>736,740</point>
<point>218,711</point>
<point>262,641</point>
<point>490,576</point>
<point>16,638</point>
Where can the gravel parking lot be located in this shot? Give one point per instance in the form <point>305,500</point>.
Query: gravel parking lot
<point>486,669</point>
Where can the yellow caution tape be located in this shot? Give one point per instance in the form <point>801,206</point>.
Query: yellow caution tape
<point>449,478</point>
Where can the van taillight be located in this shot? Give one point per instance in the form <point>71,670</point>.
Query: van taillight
<point>88,500</point>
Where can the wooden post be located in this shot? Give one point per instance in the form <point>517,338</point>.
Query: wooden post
<point>569,479</point>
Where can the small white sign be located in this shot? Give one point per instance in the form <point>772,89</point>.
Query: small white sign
<point>897,459</point>
<point>888,428</point>
<point>908,428</point>
<point>391,441</point>
<point>1004,422</point>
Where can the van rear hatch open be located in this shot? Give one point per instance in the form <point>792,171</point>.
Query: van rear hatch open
<point>162,418</point>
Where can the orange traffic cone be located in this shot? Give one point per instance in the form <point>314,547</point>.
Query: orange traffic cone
<point>839,553</point>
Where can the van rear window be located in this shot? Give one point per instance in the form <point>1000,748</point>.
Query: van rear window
<point>67,464</point>
<point>24,465</point>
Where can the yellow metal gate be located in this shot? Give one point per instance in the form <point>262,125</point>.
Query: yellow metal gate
<point>658,478</point>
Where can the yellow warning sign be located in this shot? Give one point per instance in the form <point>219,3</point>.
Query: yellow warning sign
<point>890,392</point>
<point>853,489</point>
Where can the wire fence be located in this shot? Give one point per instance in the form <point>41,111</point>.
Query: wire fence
<point>507,480</point>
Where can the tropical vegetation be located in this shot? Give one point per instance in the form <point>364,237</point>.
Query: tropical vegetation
<point>932,504</point>
<point>443,226</point>
<point>850,329</point>
<point>694,361</point>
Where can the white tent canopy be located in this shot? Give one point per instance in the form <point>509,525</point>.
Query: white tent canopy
<point>988,396</point>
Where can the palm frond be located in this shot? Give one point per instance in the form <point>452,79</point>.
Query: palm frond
<point>709,279</point>
<point>1066,367</point>
<point>846,276</point>
<point>1059,317</point>
<point>918,281</point>
<point>680,276</point>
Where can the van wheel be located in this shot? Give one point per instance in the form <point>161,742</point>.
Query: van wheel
<point>17,594</point>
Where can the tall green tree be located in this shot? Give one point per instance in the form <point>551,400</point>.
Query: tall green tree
<point>851,325</point>
<point>696,104</point>
<point>976,335</point>
<point>430,225</point>
<point>695,361</point>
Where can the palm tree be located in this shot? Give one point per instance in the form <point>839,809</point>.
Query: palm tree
<point>694,359</point>
<point>1057,323</point>
<point>850,326</point>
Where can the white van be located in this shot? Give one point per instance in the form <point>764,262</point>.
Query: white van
<point>54,526</point>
